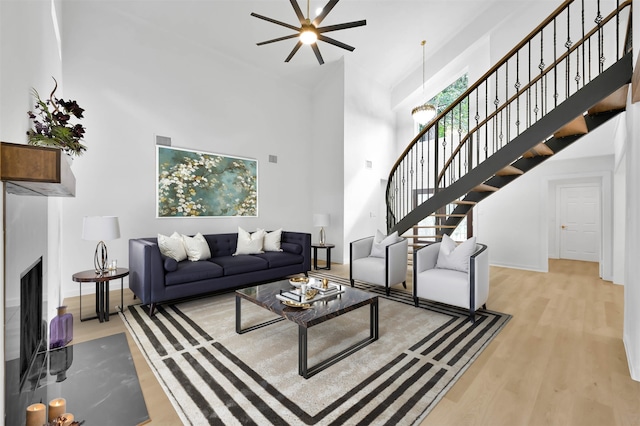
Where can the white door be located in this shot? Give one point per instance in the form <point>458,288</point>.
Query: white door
<point>580,222</point>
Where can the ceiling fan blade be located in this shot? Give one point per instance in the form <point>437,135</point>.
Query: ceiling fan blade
<point>335,43</point>
<point>293,52</point>
<point>325,12</point>
<point>275,22</point>
<point>296,8</point>
<point>316,50</point>
<point>278,39</point>
<point>342,26</point>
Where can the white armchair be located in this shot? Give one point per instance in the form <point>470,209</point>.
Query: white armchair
<point>469,290</point>
<point>384,271</point>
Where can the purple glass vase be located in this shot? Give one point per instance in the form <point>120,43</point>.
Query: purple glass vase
<point>61,329</point>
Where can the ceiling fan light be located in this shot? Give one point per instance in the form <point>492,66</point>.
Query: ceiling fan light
<point>423,114</point>
<point>308,36</point>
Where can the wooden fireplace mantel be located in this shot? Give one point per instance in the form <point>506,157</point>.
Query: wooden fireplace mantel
<point>35,170</point>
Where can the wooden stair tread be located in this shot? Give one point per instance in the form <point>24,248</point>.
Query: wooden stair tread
<point>471,203</point>
<point>448,215</point>
<point>483,187</point>
<point>577,126</point>
<point>539,150</point>
<point>614,102</point>
<point>509,171</point>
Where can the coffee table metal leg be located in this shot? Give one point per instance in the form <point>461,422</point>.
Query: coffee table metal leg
<point>302,351</point>
<point>238,321</point>
<point>373,320</point>
<point>305,371</point>
<point>239,328</point>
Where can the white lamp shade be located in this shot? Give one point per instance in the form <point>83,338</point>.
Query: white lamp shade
<point>321,219</point>
<point>100,228</point>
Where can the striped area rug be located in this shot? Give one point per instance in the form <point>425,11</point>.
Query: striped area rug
<point>214,376</point>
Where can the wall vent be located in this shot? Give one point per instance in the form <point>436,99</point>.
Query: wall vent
<point>163,140</point>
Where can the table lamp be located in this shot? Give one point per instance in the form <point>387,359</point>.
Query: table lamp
<point>321,220</point>
<point>100,228</point>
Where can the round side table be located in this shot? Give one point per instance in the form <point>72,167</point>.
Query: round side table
<point>327,247</point>
<point>102,290</point>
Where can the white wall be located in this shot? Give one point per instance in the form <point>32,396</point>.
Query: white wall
<point>327,161</point>
<point>369,136</point>
<point>631,332</point>
<point>30,57</point>
<point>514,222</point>
<point>148,82</point>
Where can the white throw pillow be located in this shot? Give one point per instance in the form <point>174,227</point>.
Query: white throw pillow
<point>455,257</point>
<point>249,243</point>
<point>172,246</point>
<point>272,240</point>
<point>380,243</point>
<point>196,247</point>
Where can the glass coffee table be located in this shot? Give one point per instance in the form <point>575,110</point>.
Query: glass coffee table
<point>319,312</point>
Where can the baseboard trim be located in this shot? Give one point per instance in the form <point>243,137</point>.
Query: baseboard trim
<point>632,370</point>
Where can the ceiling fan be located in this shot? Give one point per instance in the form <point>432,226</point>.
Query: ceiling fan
<point>309,31</point>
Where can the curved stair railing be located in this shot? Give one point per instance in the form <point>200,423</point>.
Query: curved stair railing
<point>509,114</point>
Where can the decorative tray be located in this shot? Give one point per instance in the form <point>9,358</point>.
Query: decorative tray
<point>294,304</point>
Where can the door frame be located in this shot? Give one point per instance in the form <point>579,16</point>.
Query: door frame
<point>605,180</point>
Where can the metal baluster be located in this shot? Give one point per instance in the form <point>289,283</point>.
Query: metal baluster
<point>486,115</point>
<point>601,58</point>
<point>541,67</point>
<point>583,44</point>
<point>555,68</point>
<point>568,45</point>
<point>529,88</point>
<point>517,87</point>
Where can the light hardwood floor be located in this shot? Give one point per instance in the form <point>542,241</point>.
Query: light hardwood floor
<point>559,361</point>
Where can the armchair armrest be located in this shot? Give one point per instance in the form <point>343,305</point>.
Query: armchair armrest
<point>425,257</point>
<point>360,248</point>
<point>397,260</point>
<point>479,275</point>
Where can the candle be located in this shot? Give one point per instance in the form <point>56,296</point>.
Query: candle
<point>57,407</point>
<point>36,415</point>
<point>68,419</point>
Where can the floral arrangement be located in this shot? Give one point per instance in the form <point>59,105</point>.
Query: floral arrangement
<point>52,126</point>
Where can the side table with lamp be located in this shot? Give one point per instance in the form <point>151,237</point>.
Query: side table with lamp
<point>321,220</point>
<point>101,228</point>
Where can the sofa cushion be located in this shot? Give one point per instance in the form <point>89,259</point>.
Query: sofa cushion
<point>172,246</point>
<point>170,264</point>
<point>370,269</point>
<point>455,257</point>
<point>196,247</point>
<point>380,243</point>
<point>193,271</point>
<point>291,248</point>
<point>444,286</point>
<point>233,265</point>
<point>249,243</point>
<point>276,259</point>
<point>272,240</point>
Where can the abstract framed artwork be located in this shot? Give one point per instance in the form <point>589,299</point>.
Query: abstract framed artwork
<point>199,184</point>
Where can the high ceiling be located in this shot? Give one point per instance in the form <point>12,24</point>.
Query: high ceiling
<point>387,48</point>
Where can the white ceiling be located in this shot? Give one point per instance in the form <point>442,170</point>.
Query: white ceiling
<point>387,48</point>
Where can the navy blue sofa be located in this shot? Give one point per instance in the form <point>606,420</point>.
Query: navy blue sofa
<point>155,279</point>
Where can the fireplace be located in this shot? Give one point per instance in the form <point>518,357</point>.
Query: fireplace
<point>33,328</point>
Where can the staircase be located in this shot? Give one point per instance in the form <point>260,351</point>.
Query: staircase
<point>566,78</point>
